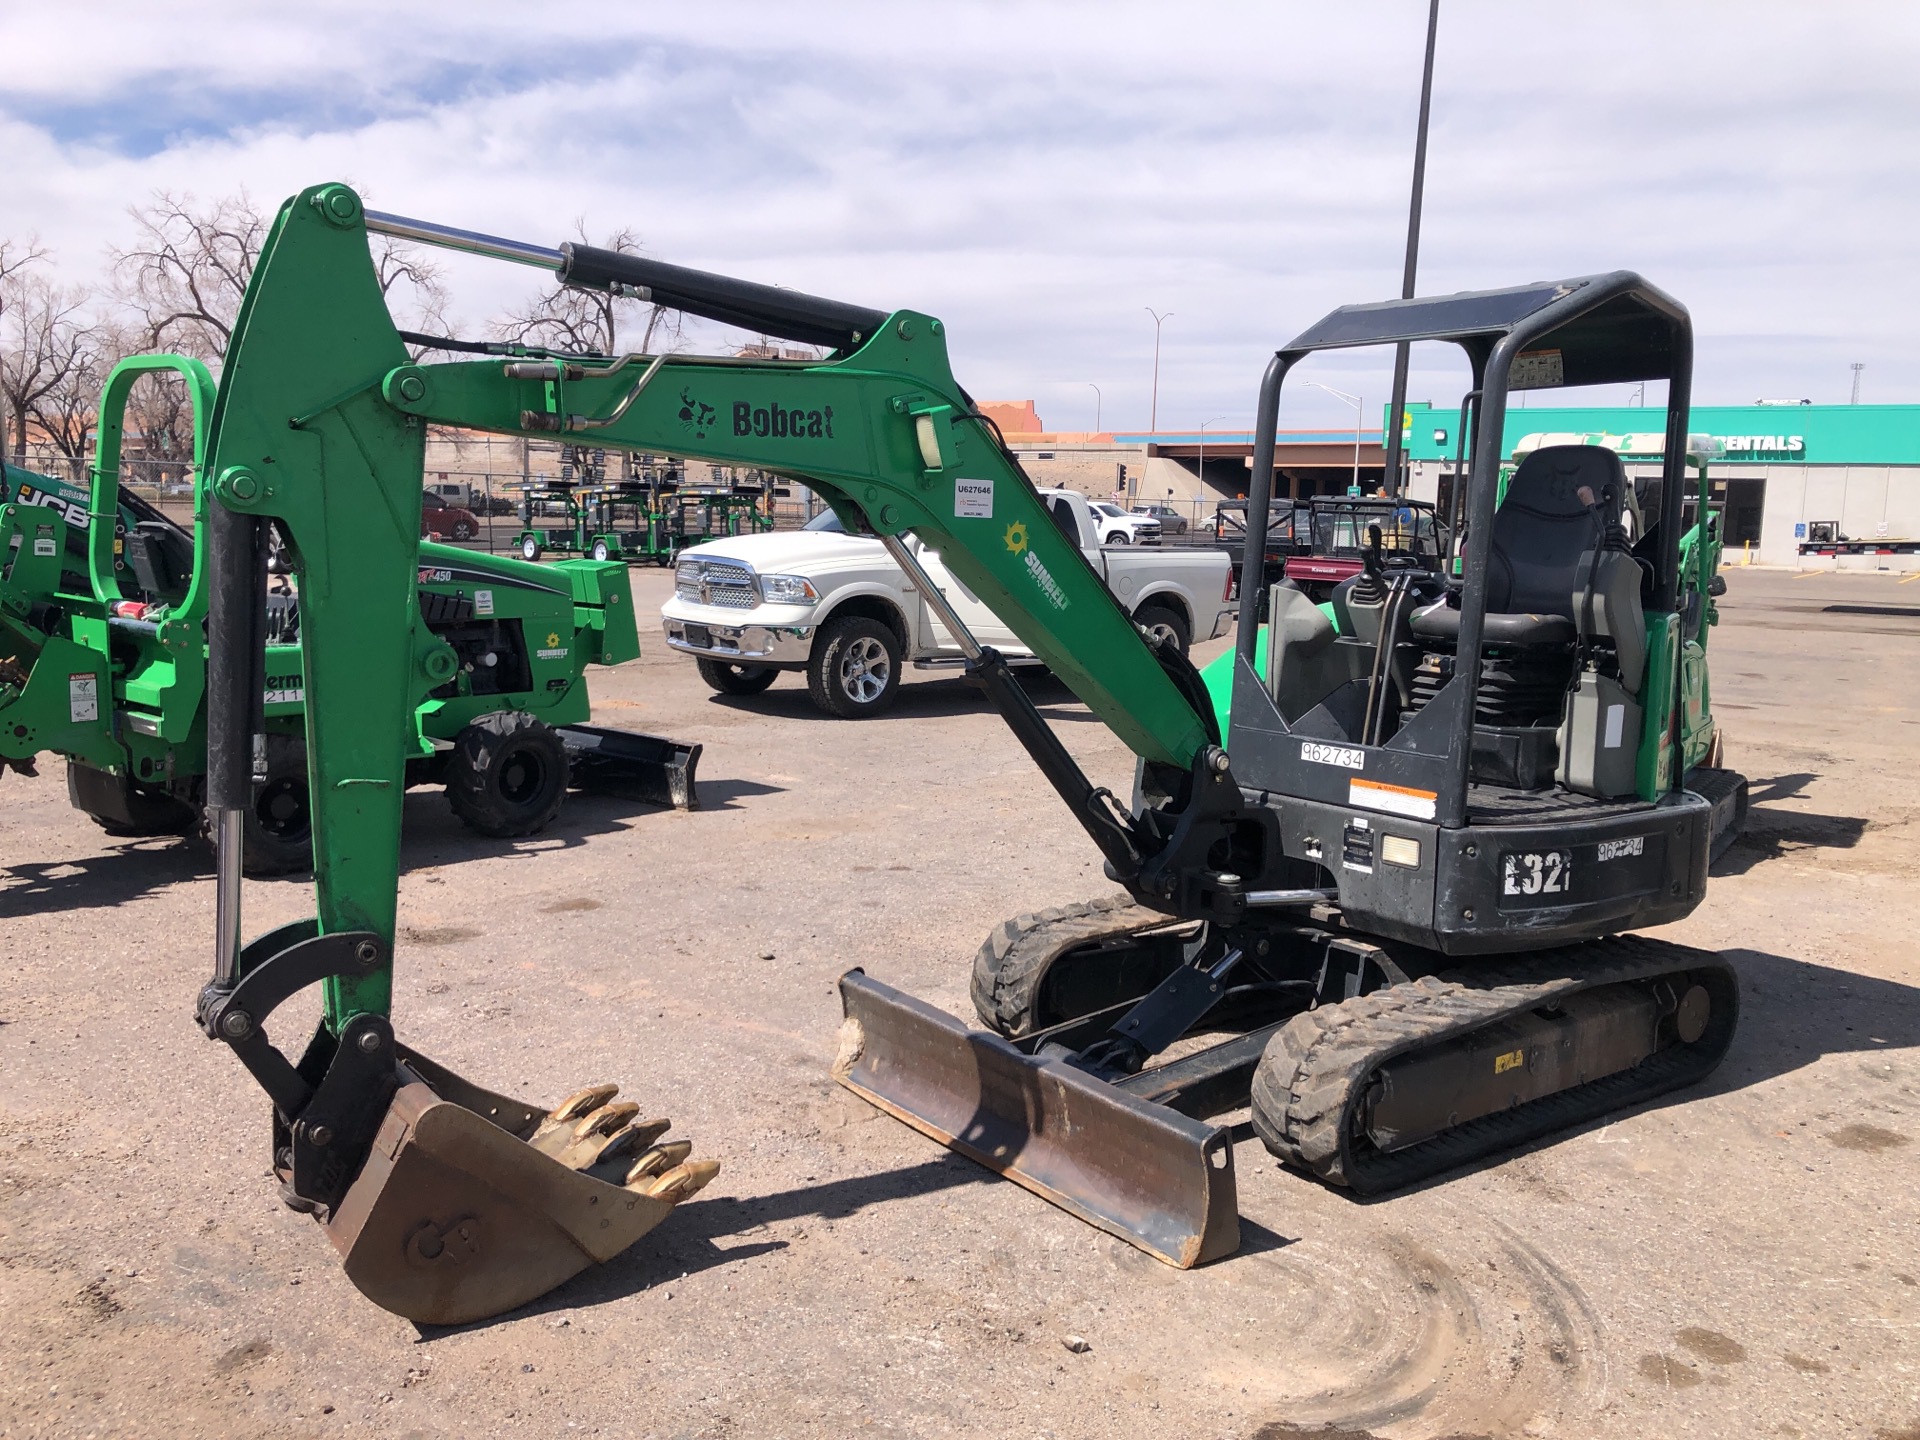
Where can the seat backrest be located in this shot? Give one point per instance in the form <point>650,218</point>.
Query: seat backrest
<point>1545,525</point>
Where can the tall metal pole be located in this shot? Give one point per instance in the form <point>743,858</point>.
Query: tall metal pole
<point>1359,417</point>
<point>1858,366</point>
<point>1396,407</point>
<point>1098,401</point>
<point>1153,424</point>
<point>1201,473</point>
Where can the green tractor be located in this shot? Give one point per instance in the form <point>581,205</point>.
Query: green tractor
<point>103,661</point>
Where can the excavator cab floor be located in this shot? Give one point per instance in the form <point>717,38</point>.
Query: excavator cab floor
<point>456,1216</point>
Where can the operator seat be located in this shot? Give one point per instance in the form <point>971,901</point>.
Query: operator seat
<point>1555,570</point>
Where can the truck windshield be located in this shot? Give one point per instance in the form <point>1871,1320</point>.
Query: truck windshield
<point>826,520</point>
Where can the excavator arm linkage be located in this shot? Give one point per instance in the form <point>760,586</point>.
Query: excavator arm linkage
<point>447,1202</point>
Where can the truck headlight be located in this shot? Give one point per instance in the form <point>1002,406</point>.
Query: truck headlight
<point>787,590</point>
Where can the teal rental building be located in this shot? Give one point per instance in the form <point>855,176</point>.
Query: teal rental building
<point>1784,468</point>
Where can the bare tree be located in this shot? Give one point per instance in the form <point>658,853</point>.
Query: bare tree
<point>16,257</point>
<point>566,318</point>
<point>50,367</point>
<point>187,270</point>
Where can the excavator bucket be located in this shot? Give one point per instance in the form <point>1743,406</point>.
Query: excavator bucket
<point>471,1204</point>
<point>1153,1177</point>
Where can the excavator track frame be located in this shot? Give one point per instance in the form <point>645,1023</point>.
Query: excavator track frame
<point>1315,1076</point>
<point>1315,1069</point>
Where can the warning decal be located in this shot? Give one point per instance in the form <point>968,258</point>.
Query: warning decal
<point>83,697</point>
<point>1395,799</point>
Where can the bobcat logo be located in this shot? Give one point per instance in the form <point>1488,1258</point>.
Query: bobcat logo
<point>696,416</point>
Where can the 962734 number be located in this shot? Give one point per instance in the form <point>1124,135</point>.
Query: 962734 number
<point>1528,873</point>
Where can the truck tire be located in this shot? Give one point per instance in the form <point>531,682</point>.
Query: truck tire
<point>279,824</point>
<point>529,548</point>
<point>508,774</point>
<point>731,679</point>
<point>854,670</point>
<point>1163,622</point>
<point>1118,537</point>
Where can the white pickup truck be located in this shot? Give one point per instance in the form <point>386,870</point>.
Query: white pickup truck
<point>836,606</point>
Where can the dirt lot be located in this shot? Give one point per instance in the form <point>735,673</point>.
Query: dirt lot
<point>1740,1260</point>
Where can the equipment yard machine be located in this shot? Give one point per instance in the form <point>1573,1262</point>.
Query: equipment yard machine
<point>1390,881</point>
<point>101,611</point>
<point>1393,895</point>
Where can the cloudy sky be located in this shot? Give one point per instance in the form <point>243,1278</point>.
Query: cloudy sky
<point>1038,175</point>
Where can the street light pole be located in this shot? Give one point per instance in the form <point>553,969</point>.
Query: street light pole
<point>1153,424</point>
<point>1098,401</point>
<point>1396,407</point>
<point>1359,411</point>
<point>1203,449</point>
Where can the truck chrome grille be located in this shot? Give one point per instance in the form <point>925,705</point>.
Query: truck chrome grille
<point>715,582</point>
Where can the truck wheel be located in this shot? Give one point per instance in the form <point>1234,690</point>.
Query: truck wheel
<point>1164,624</point>
<point>731,679</point>
<point>529,548</point>
<point>854,670</point>
<point>1118,537</point>
<point>600,551</point>
<point>508,774</point>
<point>279,825</point>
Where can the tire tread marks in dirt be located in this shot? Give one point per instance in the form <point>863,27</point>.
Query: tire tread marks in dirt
<point>1314,1075</point>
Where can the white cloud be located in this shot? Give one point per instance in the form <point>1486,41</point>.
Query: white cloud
<point>1037,175</point>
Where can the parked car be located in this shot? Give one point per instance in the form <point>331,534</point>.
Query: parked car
<point>439,520</point>
<point>1170,520</point>
<point>836,606</point>
<point>1118,527</point>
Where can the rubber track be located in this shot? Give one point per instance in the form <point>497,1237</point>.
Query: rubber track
<point>1314,1074</point>
<point>1014,959</point>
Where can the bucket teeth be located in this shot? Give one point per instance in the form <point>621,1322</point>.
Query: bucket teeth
<point>659,1159</point>
<point>557,1131</point>
<point>681,1181</point>
<point>617,1155</point>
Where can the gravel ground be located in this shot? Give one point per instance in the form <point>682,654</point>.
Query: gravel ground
<point>1737,1260</point>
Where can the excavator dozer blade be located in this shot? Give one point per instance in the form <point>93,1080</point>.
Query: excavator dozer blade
<point>455,1217</point>
<point>627,763</point>
<point>1153,1177</point>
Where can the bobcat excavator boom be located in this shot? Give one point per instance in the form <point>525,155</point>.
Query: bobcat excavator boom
<point>449,1202</point>
<point>1308,919</point>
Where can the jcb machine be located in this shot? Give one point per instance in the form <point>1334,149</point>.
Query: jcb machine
<point>101,604</point>
<point>1392,888</point>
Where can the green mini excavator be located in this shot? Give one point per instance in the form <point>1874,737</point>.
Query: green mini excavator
<point>1381,898</point>
<point>102,599</point>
